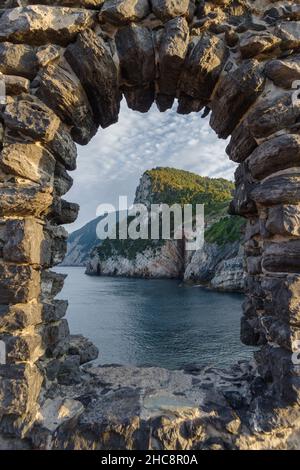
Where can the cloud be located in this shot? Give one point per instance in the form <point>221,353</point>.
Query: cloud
<point>115,159</point>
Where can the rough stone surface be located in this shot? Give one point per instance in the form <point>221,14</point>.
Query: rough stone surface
<point>98,75</point>
<point>40,24</point>
<point>65,65</point>
<point>204,63</point>
<point>61,90</point>
<point>168,9</point>
<point>124,11</point>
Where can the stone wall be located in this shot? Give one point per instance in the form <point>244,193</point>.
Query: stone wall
<point>66,65</point>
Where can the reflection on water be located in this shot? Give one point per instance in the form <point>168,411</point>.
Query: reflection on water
<point>154,322</point>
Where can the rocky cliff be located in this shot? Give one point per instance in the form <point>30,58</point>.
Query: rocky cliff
<point>218,265</point>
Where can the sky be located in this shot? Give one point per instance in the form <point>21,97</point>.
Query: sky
<point>113,162</point>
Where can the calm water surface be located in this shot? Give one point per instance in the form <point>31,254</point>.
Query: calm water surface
<point>154,322</point>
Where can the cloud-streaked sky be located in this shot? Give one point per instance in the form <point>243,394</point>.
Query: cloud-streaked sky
<point>113,162</point>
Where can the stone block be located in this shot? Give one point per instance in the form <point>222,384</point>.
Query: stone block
<point>18,59</point>
<point>277,154</point>
<point>172,49</point>
<point>28,115</point>
<point>29,161</point>
<point>23,240</point>
<point>18,283</point>
<point>60,89</point>
<point>235,93</point>
<point>204,63</point>
<point>56,338</point>
<point>41,24</point>
<point>98,75</point>
<point>20,316</point>
<point>284,220</point>
<point>122,12</point>
<point>135,47</point>
<point>167,9</point>
<point>20,386</point>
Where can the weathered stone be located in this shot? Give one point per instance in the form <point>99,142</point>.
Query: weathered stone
<point>284,72</point>
<point>288,32</point>
<point>139,99</point>
<point>27,347</point>
<point>241,143</point>
<point>234,95</point>
<point>48,54</point>
<point>283,298</point>
<point>187,104</point>
<point>279,332</point>
<point>19,316</point>
<point>284,220</point>
<point>63,212</point>
<point>82,347</point>
<point>27,114</point>
<point>62,180</point>
<point>252,229</point>
<point>15,85</point>
<point>95,4</point>
<point>20,386</point>
<point>98,75</point>
<point>54,311</point>
<point>18,59</point>
<point>203,66</point>
<point>275,364</point>
<point>56,238</point>
<point>40,24</point>
<point>172,51</point>
<point>254,44</point>
<point>29,161</point>
<point>279,153</point>
<point>272,115</point>
<point>288,11</point>
<point>51,284</point>
<point>164,102</point>
<point>136,53</point>
<point>23,240</point>
<point>61,91</point>
<point>25,200</point>
<point>251,331</point>
<point>69,371</point>
<point>243,204</point>
<point>124,11</point>
<point>56,338</point>
<point>168,9</point>
<point>253,264</point>
<point>282,257</point>
<point>63,148</point>
<point>18,284</point>
<point>278,190</point>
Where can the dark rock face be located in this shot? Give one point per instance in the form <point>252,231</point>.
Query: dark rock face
<point>65,65</point>
<point>98,75</point>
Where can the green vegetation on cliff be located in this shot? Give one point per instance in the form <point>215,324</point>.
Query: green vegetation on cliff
<point>172,186</point>
<point>226,230</point>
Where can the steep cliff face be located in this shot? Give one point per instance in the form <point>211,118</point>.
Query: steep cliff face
<point>165,261</point>
<point>218,264</point>
<point>220,267</point>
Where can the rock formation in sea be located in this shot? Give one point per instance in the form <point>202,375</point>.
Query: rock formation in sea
<point>218,265</point>
<point>65,66</point>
